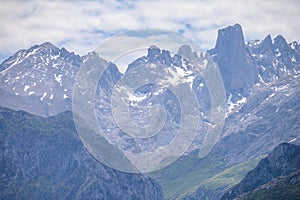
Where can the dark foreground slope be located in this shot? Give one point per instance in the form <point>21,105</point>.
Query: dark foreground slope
<point>284,162</point>
<point>43,158</point>
<point>286,187</point>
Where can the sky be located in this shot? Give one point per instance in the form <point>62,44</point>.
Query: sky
<point>81,26</point>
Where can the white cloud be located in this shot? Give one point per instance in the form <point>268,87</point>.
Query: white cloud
<point>81,26</point>
<point>120,48</point>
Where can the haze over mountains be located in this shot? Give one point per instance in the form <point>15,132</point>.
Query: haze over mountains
<point>262,85</point>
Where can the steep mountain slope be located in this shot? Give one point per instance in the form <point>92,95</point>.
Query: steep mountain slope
<point>237,67</point>
<point>39,80</point>
<point>247,137</point>
<point>43,158</point>
<point>282,161</point>
<point>175,71</point>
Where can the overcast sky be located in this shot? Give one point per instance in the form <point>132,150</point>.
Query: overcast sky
<point>80,26</point>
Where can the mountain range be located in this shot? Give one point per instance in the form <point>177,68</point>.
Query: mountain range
<point>261,81</point>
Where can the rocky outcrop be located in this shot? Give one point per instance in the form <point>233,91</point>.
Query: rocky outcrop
<point>282,161</point>
<point>236,66</point>
<point>283,187</point>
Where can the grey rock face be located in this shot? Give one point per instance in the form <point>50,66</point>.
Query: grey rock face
<point>261,61</point>
<point>236,66</point>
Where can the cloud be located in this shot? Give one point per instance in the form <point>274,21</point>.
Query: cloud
<point>123,48</point>
<point>81,26</point>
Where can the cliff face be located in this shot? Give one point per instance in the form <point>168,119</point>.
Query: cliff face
<point>282,161</point>
<point>236,66</point>
<point>43,158</point>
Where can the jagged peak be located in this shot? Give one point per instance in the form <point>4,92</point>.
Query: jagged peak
<point>267,43</point>
<point>280,43</point>
<point>153,47</point>
<point>90,55</point>
<point>268,40</point>
<point>46,49</point>
<point>153,52</point>
<point>48,44</point>
<point>279,39</point>
<point>185,51</point>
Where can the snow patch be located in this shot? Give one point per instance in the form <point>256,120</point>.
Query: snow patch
<point>205,62</point>
<point>17,61</point>
<point>254,43</point>
<point>31,53</point>
<point>288,94</point>
<point>292,140</point>
<point>55,65</point>
<point>158,92</point>
<point>26,87</point>
<point>134,98</point>
<point>58,78</point>
<point>44,95</point>
<point>275,88</point>
<point>293,45</point>
<point>233,106</point>
<point>54,57</point>
<point>177,77</point>
<point>261,79</point>
<point>242,101</point>
<point>152,65</point>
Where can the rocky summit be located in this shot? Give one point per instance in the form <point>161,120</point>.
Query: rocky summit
<point>237,67</point>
